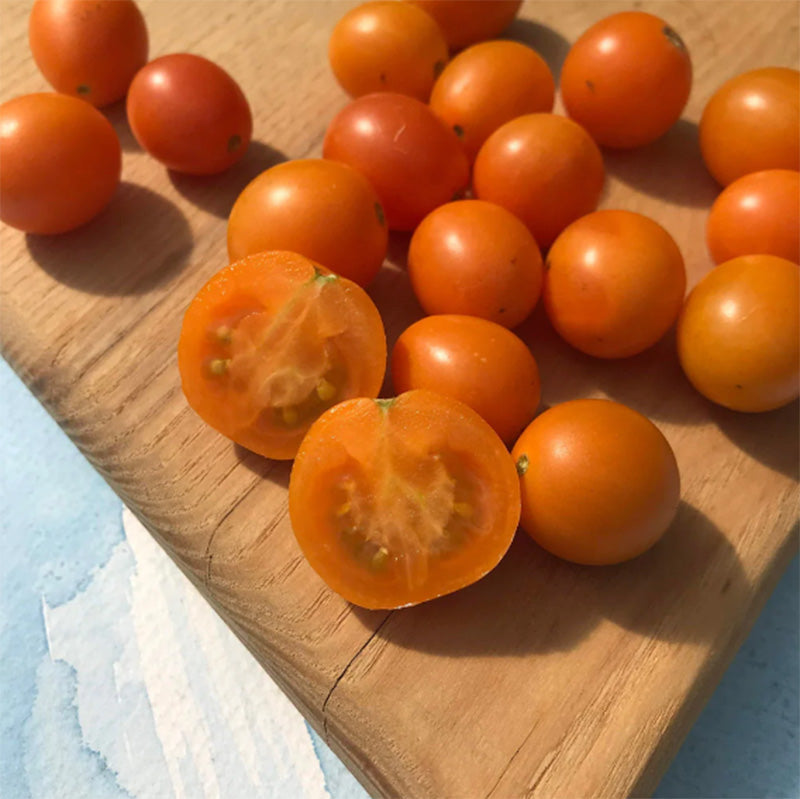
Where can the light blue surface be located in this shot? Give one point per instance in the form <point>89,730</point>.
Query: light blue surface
<point>64,548</point>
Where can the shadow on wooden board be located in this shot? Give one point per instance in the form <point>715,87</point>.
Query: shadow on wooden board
<point>550,44</point>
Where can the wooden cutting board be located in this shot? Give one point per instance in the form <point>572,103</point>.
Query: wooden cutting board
<point>544,679</point>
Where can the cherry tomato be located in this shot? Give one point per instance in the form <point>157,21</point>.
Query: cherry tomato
<point>272,341</point>
<point>398,501</point>
<point>614,283</point>
<point>474,361</point>
<point>384,46</point>
<point>321,209</point>
<point>545,169</point>
<point>488,85</point>
<point>88,48</point>
<point>61,163</point>
<point>412,159</point>
<point>627,79</point>
<point>752,123</point>
<point>189,114</point>
<point>600,483</point>
<point>739,333</point>
<point>755,215</point>
<point>475,258</point>
<point>464,23</point>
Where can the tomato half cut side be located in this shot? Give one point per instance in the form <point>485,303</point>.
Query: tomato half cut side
<point>395,502</point>
<point>272,341</point>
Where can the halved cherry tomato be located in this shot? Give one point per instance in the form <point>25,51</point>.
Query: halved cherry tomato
<point>739,334</point>
<point>465,23</point>
<point>385,46</point>
<point>543,168</point>
<point>321,209</point>
<point>88,48</point>
<point>61,162</point>
<point>412,159</point>
<point>475,361</point>
<point>488,85</point>
<point>475,258</point>
<point>752,123</point>
<point>600,483</point>
<point>614,283</point>
<point>757,214</point>
<point>190,114</point>
<point>627,79</point>
<point>272,341</point>
<point>398,501</point>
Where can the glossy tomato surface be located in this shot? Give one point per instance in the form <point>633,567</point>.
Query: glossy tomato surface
<point>272,341</point>
<point>490,84</point>
<point>627,79</point>
<point>88,48</point>
<point>386,46</point>
<point>412,159</point>
<point>752,123</point>
<point>61,163</point>
<point>614,283</point>
<point>475,361</point>
<point>395,502</point>
<point>464,23</point>
<point>321,209</point>
<point>757,214</point>
<point>600,483</point>
<point>739,333</point>
<point>190,114</point>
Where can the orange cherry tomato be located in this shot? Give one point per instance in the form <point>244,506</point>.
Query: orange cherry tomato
<point>190,114</point>
<point>272,341</point>
<point>739,334</point>
<point>385,46</point>
<point>412,159</point>
<point>614,283</point>
<point>474,361</point>
<point>488,85</point>
<point>627,79</point>
<point>464,23</point>
<point>398,501</point>
<point>600,483</point>
<point>321,209</point>
<point>88,48</point>
<point>61,163</point>
<point>544,168</point>
<point>757,214</point>
<point>475,258</point>
<point>752,123</point>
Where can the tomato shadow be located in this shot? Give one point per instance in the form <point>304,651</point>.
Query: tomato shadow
<point>276,472</point>
<point>141,240</point>
<point>550,44</point>
<point>671,168</point>
<point>217,193</point>
<point>117,115</point>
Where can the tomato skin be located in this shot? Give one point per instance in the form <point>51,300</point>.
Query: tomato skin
<point>574,504</point>
<point>61,163</point>
<point>321,209</point>
<point>739,334</point>
<point>384,46</point>
<point>614,283</point>
<point>752,123</point>
<point>475,361</point>
<point>89,49</point>
<point>490,84</point>
<point>627,79</point>
<point>189,114</point>
<point>270,342</point>
<point>419,482</point>
<point>757,214</point>
<point>466,23</point>
<point>413,161</point>
<point>543,168</point>
<point>475,258</point>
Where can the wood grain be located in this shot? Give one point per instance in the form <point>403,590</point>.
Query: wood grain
<point>544,679</point>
